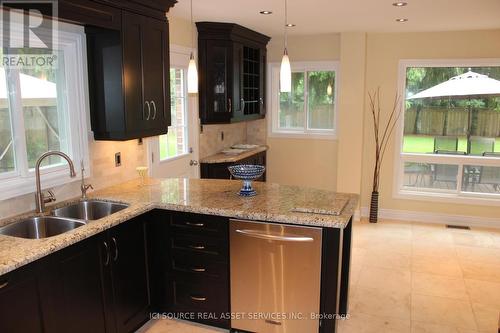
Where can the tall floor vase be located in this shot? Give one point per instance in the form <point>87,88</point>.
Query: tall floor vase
<point>374,208</point>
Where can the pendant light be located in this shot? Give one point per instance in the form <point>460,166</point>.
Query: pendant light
<point>192,70</point>
<point>286,70</point>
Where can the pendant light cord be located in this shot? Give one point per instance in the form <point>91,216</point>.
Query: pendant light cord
<point>286,22</point>
<point>192,30</point>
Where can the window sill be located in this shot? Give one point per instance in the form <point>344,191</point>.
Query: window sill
<point>332,136</point>
<point>21,186</point>
<point>453,198</point>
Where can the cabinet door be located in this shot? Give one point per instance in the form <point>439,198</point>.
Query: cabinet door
<point>219,106</point>
<point>71,288</point>
<point>237,75</point>
<point>262,82</point>
<point>130,275</point>
<point>19,302</point>
<point>156,72</point>
<point>137,112</point>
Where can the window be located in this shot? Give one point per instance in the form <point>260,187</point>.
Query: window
<point>450,135</point>
<point>42,109</point>
<point>309,109</point>
<point>174,143</point>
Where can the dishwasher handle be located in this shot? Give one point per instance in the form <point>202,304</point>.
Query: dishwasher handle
<point>271,237</point>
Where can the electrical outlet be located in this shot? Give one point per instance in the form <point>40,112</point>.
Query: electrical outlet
<point>118,159</point>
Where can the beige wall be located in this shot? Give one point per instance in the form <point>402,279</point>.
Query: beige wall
<point>304,162</point>
<point>350,112</point>
<point>383,54</point>
<point>310,163</point>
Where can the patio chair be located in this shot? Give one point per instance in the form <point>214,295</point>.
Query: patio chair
<point>449,143</point>
<point>450,152</point>
<point>445,172</point>
<point>491,154</point>
<point>480,145</point>
<point>490,175</point>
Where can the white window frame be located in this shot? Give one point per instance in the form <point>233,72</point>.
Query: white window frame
<point>177,62</point>
<point>438,195</point>
<point>273,101</point>
<point>71,39</point>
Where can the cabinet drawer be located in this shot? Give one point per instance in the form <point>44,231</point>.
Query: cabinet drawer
<point>199,264</point>
<point>200,244</point>
<point>200,224</point>
<point>201,296</point>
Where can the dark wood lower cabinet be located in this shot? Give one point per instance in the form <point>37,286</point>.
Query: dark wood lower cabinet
<point>100,284</point>
<point>72,289</point>
<point>20,310</point>
<point>163,262</point>
<point>129,275</point>
<point>191,267</point>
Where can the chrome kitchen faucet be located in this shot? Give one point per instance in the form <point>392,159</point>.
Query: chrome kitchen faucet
<point>41,198</point>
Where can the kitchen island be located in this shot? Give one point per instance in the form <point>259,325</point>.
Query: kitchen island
<point>274,204</point>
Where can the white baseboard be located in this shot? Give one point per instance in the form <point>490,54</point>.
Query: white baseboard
<point>428,217</point>
<point>357,215</point>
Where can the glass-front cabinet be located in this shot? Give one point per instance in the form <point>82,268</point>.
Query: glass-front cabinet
<point>231,73</point>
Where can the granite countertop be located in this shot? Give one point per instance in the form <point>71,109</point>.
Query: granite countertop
<point>274,203</point>
<point>220,157</point>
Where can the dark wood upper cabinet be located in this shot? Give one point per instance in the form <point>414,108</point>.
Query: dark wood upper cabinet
<point>232,62</point>
<point>128,63</point>
<point>128,70</point>
<point>106,13</point>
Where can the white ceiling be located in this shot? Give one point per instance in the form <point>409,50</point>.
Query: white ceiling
<point>326,16</point>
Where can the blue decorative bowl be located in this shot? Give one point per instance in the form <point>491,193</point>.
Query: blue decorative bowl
<point>247,173</point>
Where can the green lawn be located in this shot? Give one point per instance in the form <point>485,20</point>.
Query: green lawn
<point>170,149</point>
<point>425,144</point>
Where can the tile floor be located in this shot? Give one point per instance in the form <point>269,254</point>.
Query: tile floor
<point>415,278</point>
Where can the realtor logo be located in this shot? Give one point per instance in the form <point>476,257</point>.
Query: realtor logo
<point>27,32</point>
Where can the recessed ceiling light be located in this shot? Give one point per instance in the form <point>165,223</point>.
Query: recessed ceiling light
<point>402,20</point>
<point>290,25</point>
<point>266,12</point>
<point>400,4</point>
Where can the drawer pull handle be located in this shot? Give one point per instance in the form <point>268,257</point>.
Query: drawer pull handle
<point>198,298</point>
<point>4,284</point>
<point>192,224</point>
<point>197,247</point>
<point>199,269</point>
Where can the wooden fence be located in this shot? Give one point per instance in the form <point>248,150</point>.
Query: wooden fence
<point>451,121</point>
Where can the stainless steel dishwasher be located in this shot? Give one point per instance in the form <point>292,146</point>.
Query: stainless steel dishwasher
<point>275,277</point>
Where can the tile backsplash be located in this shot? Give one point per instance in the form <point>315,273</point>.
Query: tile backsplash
<point>103,174</point>
<point>211,142</point>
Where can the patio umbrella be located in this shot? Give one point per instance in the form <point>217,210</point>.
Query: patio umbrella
<point>467,86</point>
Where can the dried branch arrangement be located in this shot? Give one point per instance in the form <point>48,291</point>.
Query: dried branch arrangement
<point>382,133</point>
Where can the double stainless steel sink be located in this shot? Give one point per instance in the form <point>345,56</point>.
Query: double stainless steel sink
<point>64,219</point>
